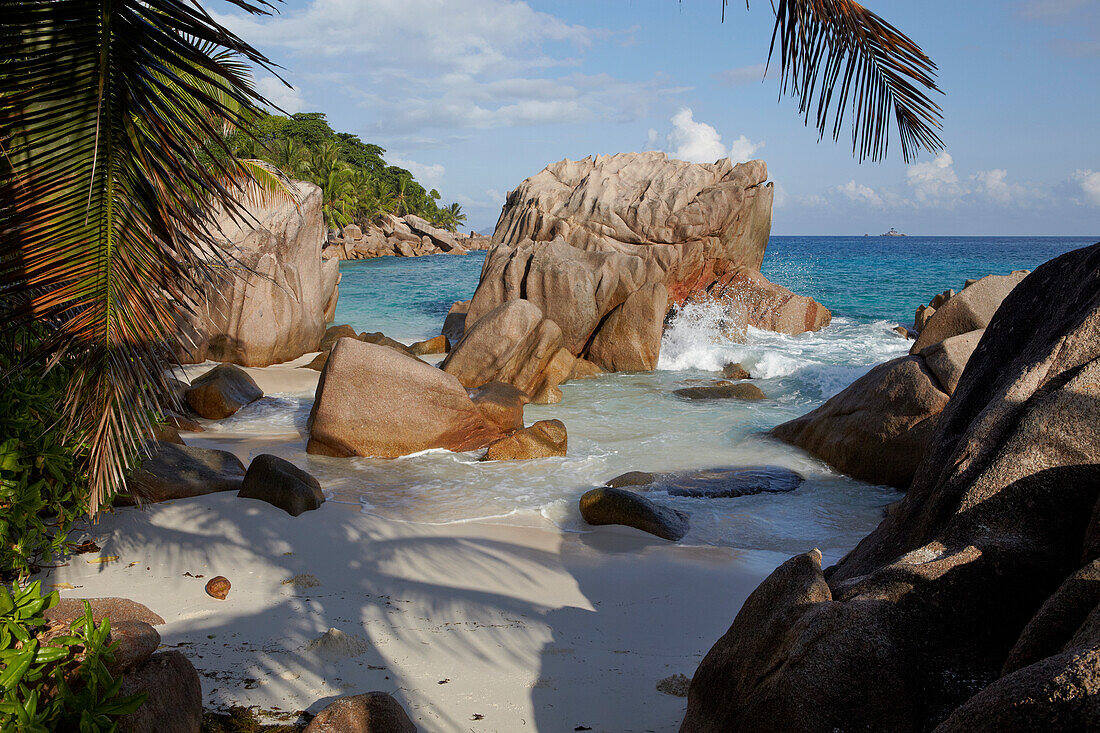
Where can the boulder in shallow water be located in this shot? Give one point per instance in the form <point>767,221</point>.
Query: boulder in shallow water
<point>280,483</point>
<point>879,428</point>
<point>372,712</point>
<point>726,483</point>
<point>222,391</point>
<point>631,478</point>
<point>180,471</point>
<point>584,369</point>
<point>747,298</point>
<point>734,370</point>
<point>618,506</point>
<point>513,344</point>
<point>544,439</point>
<point>376,401</point>
<point>501,404</point>
<point>737,391</point>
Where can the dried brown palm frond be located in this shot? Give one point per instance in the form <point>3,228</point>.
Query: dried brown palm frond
<point>112,162</point>
<point>838,58</point>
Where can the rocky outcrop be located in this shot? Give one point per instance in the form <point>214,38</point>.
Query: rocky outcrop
<point>917,625</point>
<point>271,305</point>
<point>952,314</point>
<point>181,471</point>
<point>399,236</point>
<point>582,237</point>
<point>714,483</point>
<point>454,326</point>
<point>630,338</point>
<point>501,404</point>
<point>282,484</point>
<point>222,391</point>
<point>607,505</point>
<point>728,391</point>
<point>372,400</point>
<point>516,345</point>
<point>544,439</point>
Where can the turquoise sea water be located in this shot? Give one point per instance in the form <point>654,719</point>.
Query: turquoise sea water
<point>623,422</point>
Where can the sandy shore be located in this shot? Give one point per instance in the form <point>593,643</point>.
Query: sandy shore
<point>472,626</point>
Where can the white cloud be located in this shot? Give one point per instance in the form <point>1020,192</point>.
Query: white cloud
<point>1090,184</point>
<point>859,193</point>
<point>934,180</point>
<point>742,76</point>
<point>413,65</point>
<point>288,99</point>
<point>995,186</point>
<point>429,176</point>
<point>699,142</point>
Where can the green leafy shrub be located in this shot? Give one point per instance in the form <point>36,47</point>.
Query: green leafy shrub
<point>51,681</point>
<point>43,484</point>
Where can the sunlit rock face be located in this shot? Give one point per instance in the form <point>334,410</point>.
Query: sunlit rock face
<point>274,306</point>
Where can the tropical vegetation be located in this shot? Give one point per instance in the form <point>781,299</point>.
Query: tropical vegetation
<point>357,184</point>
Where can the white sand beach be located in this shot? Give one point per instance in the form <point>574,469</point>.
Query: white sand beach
<point>472,626</point>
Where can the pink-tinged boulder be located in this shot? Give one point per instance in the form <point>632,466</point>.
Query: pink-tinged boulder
<point>272,308</point>
<point>439,238</point>
<point>968,310</point>
<point>222,391</point>
<point>501,404</point>
<point>749,299</point>
<point>372,400</point>
<point>513,344</point>
<point>630,338</point>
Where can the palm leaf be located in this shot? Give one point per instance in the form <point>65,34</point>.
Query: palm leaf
<point>838,58</point>
<point>113,161</point>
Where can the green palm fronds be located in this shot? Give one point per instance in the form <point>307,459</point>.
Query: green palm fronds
<point>113,162</point>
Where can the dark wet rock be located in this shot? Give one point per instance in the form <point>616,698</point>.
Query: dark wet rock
<point>544,439</point>
<point>280,483</point>
<point>373,712</point>
<point>619,506</point>
<point>631,478</point>
<point>222,391</point>
<point>174,702</point>
<point>725,483</point>
<point>181,471</point>
<point>734,370</point>
<point>454,325</point>
<point>164,432</point>
<point>738,391</point>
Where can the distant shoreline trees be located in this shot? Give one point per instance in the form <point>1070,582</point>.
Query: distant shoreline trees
<point>358,186</point>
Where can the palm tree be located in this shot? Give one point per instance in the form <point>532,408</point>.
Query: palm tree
<point>837,57</point>
<point>401,198</point>
<point>454,216</point>
<point>290,157</point>
<point>113,162</point>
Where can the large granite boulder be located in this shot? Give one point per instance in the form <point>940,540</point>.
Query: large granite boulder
<point>516,345</point>
<point>582,237</point>
<point>878,428</point>
<point>271,305</point>
<point>926,611</point>
<point>544,439</point>
<point>607,505</point>
<point>181,471</point>
<point>282,484</point>
<point>501,404</point>
<point>968,310</point>
<point>630,338</point>
<point>372,400</point>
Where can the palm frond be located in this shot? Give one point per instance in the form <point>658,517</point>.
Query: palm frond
<point>838,58</point>
<point>113,163</point>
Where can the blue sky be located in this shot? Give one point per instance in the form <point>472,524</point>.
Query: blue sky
<point>475,95</point>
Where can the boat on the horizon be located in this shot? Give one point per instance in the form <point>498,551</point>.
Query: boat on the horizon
<point>893,233</point>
